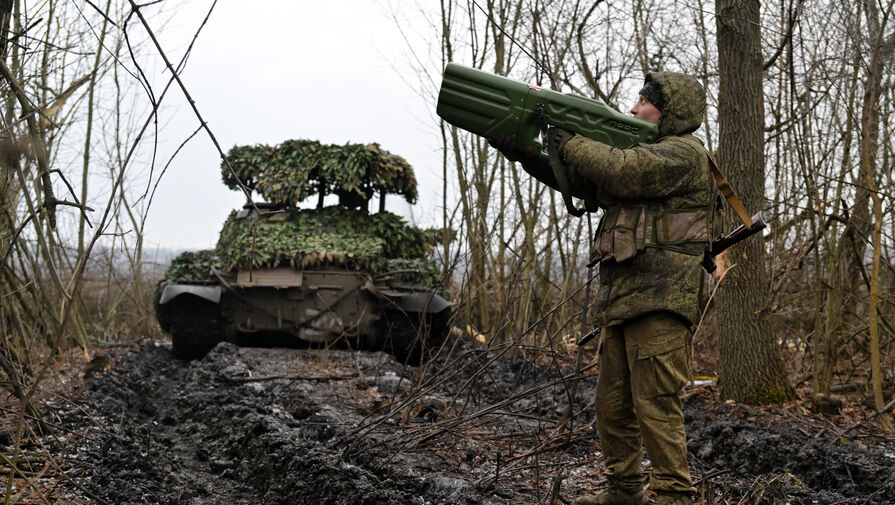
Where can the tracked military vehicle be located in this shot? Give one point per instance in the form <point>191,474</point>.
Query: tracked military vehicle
<point>330,274</point>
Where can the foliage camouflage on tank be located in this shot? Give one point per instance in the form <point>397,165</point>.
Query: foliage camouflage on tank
<point>295,170</point>
<point>418,271</point>
<point>315,237</point>
<point>322,275</point>
<point>191,268</point>
<point>311,238</point>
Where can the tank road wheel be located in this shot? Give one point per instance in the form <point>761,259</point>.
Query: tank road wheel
<point>194,326</point>
<point>413,336</point>
<point>189,347</point>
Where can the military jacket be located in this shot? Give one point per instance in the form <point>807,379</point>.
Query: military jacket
<point>659,205</point>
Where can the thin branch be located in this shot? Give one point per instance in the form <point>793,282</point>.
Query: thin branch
<point>787,37</point>
<point>101,13</point>
<point>246,191</point>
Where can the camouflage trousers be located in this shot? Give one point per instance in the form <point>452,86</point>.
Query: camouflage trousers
<point>644,363</point>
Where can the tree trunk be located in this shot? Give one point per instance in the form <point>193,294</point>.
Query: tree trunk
<point>881,52</point>
<point>751,367</point>
<point>5,17</point>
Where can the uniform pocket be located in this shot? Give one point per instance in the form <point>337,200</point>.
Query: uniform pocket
<point>602,245</point>
<point>664,363</point>
<point>681,226</point>
<point>624,234</point>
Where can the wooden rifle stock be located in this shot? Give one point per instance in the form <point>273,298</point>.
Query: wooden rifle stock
<point>736,236</point>
<point>589,336</point>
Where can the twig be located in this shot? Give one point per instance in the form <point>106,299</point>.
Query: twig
<point>82,409</point>
<point>844,388</point>
<point>101,13</point>
<point>180,67</point>
<point>71,191</point>
<point>550,444</point>
<point>446,426</point>
<point>189,98</point>
<point>40,152</point>
<point>324,378</point>
<point>712,297</point>
<point>554,492</point>
<point>711,476</point>
<point>37,142</point>
<point>13,468</point>
<point>872,417</point>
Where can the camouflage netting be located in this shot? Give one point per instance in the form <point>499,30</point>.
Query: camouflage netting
<point>291,172</point>
<point>191,268</point>
<point>315,237</point>
<point>417,271</point>
<point>294,170</point>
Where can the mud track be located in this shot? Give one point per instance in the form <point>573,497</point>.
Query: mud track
<point>247,425</point>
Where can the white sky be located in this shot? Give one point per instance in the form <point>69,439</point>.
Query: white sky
<point>263,72</point>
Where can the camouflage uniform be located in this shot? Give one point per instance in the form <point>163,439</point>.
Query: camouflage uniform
<point>658,200</point>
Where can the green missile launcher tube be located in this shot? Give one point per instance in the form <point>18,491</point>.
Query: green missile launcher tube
<point>491,106</point>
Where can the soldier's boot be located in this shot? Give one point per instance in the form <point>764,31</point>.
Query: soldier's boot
<point>614,496</point>
<point>673,499</point>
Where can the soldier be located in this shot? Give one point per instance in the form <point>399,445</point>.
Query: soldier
<point>658,202</point>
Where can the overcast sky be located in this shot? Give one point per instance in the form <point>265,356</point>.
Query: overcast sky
<point>263,72</point>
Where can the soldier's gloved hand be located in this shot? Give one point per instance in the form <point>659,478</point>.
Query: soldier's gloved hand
<point>506,147</point>
<point>535,165</point>
<point>558,137</point>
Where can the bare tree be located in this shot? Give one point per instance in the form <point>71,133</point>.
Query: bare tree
<point>751,368</point>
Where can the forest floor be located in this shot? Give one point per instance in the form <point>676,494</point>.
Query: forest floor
<point>270,425</point>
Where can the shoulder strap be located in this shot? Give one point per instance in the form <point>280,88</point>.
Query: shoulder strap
<point>559,173</point>
<point>728,193</point>
<point>724,186</point>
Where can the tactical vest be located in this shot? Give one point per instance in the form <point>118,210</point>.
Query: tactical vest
<point>628,228</point>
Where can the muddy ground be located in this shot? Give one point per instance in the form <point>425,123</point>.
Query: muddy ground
<point>255,425</point>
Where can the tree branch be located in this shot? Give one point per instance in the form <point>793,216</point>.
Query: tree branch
<point>787,37</point>
<point>37,143</point>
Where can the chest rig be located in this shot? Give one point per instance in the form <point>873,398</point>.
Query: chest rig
<point>630,227</point>
<point>627,229</point>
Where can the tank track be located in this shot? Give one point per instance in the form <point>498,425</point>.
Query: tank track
<point>413,337</point>
<point>194,325</point>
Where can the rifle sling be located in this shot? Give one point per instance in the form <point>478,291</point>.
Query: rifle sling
<point>728,193</point>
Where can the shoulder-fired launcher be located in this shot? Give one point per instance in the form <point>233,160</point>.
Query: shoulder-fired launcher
<point>493,106</point>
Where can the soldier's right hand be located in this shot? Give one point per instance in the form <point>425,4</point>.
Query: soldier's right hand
<point>537,166</point>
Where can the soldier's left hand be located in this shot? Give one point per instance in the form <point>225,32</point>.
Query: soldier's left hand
<point>558,137</point>
<point>505,146</point>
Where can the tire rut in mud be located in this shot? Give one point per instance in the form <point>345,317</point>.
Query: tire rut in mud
<point>178,432</point>
<point>215,430</point>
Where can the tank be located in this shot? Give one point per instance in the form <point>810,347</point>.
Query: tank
<point>326,275</point>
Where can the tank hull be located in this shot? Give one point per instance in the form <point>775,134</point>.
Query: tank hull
<point>322,306</point>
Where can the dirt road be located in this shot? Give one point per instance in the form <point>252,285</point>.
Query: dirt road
<point>250,425</point>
